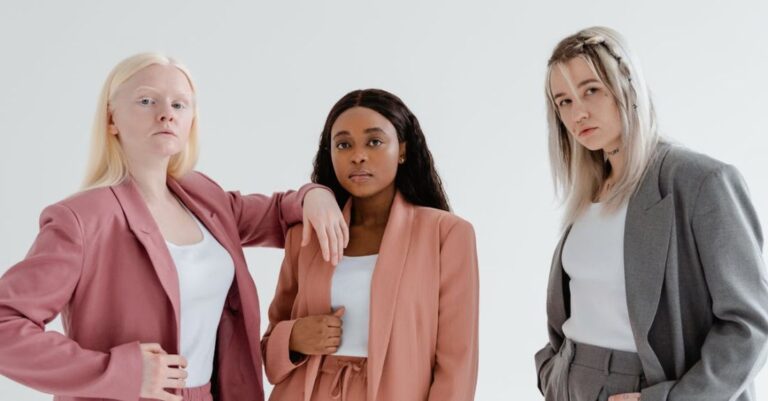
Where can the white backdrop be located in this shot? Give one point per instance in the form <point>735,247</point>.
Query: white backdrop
<point>472,72</point>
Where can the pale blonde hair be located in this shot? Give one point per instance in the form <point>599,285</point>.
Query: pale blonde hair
<point>577,172</point>
<point>107,163</point>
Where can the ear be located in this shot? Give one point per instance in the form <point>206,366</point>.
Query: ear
<point>401,155</point>
<point>111,127</point>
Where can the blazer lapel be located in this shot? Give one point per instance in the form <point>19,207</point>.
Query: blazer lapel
<point>213,224</point>
<point>317,300</point>
<point>243,281</point>
<point>647,234</point>
<point>384,288</point>
<point>206,216</point>
<point>385,285</point>
<point>145,229</point>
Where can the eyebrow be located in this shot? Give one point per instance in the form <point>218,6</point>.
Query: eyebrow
<point>151,89</point>
<point>582,83</point>
<point>369,131</point>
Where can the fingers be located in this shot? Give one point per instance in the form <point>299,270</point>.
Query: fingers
<point>153,348</point>
<point>174,360</point>
<point>339,241</point>
<point>332,321</point>
<point>174,383</point>
<point>166,396</point>
<point>305,232</point>
<point>345,232</point>
<point>339,312</point>
<point>332,344</point>
<point>332,332</point>
<point>322,238</point>
<point>177,373</point>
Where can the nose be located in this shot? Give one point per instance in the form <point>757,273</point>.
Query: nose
<point>166,114</point>
<point>580,112</point>
<point>360,156</point>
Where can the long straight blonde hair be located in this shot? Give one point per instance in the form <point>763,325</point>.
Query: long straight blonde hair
<point>107,164</point>
<point>579,173</point>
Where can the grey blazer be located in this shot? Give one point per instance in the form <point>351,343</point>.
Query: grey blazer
<point>697,289</point>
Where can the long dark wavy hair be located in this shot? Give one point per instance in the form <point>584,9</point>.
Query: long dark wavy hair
<point>416,179</point>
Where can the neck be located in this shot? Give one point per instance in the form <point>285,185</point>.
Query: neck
<point>150,177</point>
<point>617,159</point>
<point>373,210</point>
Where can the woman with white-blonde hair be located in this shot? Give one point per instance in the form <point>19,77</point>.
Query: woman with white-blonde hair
<point>657,289</point>
<point>145,264</point>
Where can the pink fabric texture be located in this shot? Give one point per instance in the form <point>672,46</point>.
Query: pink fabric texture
<point>101,261</point>
<point>423,334</point>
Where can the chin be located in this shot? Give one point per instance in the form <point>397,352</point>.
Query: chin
<point>591,145</point>
<point>359,191</point>
<point>168,151</point>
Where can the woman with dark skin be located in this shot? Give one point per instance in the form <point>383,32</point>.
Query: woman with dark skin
<point>406,290</point>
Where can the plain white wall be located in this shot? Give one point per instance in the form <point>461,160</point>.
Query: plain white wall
<point>471,71</point>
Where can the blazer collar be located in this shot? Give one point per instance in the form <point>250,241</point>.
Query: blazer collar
<point>385,285</point>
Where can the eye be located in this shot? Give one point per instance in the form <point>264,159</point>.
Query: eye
<point>563,102</point>
<point>342,145</point>
<point>178,105</point>
<point>375,142</point>
<point>146,101</point>
<point>591,91</point>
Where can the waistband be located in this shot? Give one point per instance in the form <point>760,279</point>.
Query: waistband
<point>201,393</point>
<point>343,368</point>
<point>333,363</point>
<point>605,359</point>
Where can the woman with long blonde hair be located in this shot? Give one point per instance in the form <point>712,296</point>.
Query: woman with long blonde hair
<point>146,263</point>
<point>657,290</point>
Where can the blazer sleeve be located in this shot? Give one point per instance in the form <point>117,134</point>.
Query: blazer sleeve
<point>279,361</point>
<point>543,357</point>
<point>264,220</point>
<point>456,354</point>
<point>32,293</point>
<point>729,241</point>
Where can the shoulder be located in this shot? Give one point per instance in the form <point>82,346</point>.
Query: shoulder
<point>684,171</point>
<point>199,183</point>
<point>86,206</point>
<point>682,161</point>
<point>446,222</point>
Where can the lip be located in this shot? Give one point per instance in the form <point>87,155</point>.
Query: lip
<point>165,132</point>
<point>360,176</point>
<point>587,131</point>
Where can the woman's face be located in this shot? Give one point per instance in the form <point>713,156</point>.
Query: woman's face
<point>585,105</point>
<point>365,152</point>
<point>152,113</point>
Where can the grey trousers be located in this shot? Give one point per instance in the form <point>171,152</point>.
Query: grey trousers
<point>581,372</point>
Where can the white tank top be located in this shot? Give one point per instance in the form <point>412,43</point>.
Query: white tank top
<point>593,257</point>
<point>351,288</point>
<point>205,271</point>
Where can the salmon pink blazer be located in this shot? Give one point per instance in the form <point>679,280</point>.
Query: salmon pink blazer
<point>101,261</point>
<point>423,333</point>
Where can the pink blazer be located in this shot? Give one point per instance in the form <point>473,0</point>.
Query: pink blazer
<point>101,262</point>
<point>423,334</point>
